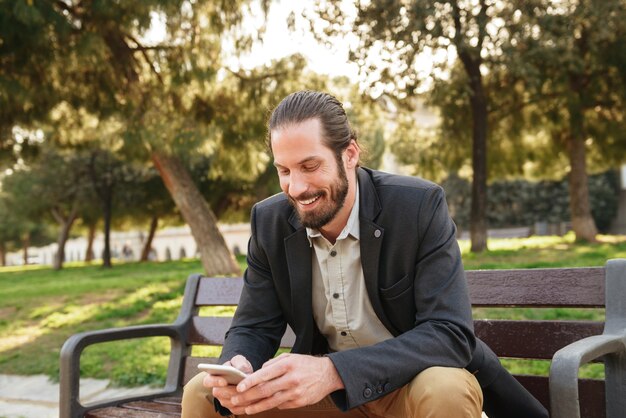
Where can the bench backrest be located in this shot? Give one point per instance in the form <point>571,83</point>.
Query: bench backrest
<point>526,339</point>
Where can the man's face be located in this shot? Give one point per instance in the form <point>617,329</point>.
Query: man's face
<point>309,172</point>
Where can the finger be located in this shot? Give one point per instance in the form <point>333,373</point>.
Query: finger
<point>276,359</point>
<point>241,363</point>
<point>261,376</point>
<point>225,393</point>
<point>212,381</point>
<point>279,400</point>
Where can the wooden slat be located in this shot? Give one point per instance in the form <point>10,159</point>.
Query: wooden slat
<point>591,394</point>
<point>152,406</point>
<point>191,366</point>
<point>581,287</point>
<point>121,412</point>
<point>174,400</point>
<point>576,287</point>
<point>210,330</point>
<point>532,339</point>
<point>219,291</point>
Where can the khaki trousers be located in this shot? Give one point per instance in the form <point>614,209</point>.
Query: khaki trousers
<point>436,392</point>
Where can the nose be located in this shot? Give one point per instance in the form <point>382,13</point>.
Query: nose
<point>297,185</point>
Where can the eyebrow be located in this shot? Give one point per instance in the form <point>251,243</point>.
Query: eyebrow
<point>303,161</point>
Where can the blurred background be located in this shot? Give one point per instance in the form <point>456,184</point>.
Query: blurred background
<point>139,115</point>
<point>132,140</point>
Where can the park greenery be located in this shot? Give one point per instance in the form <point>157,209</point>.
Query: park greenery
<point>104,127</point>
<point>41,307</point>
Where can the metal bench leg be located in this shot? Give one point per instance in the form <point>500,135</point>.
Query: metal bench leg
<point>615,369</point>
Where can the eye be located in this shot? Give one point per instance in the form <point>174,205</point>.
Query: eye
<point>310,167</point>
<point>283,171</point>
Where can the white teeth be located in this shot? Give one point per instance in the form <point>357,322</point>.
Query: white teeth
<point>308,201</point>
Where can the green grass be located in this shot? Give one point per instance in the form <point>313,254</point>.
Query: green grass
<point>40,308</point>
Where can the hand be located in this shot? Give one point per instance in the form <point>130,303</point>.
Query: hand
<point>221,390</point>
<point>285,382</point>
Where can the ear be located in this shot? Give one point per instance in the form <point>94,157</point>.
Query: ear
<point>351,154</point>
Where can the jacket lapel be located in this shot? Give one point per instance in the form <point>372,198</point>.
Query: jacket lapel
<point>298,252</point>
<point>371,243</point>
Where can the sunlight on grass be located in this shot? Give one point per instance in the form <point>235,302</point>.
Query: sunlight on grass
<point>143,294</point>
<point>22,336</point>
<point>31,267</point>
<point>70,315</point>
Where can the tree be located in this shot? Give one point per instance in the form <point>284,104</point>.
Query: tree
<point>398,32</point>
<point>52,188</point>
<point>146,200</point>
<point>94,60</point>
<point>572,56</point>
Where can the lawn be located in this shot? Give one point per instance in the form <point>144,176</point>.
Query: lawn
<point>40,308</point>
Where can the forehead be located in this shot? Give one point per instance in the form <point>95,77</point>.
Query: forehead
<point>298,141</point>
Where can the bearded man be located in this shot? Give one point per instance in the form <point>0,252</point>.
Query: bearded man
<point>365,268</point>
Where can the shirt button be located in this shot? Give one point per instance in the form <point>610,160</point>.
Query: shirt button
<point>336,295</point>
<point>367,393</point>
<point>333,253</point>
<point>343,333</point>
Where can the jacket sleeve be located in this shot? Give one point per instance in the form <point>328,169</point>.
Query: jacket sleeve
<point>442,334</point>
<point>257,328</point>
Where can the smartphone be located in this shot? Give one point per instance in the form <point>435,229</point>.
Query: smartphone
<point>231,374</point>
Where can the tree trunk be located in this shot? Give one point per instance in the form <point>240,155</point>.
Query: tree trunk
<point>478,102</point>
<point>65,224</point>
<point>582,222</point>
<point>106,213</point>
<point>215,256</point>
<point>25,244</point>
<point>91,236</point>
<point>3,254</point>
<point>145,253</point>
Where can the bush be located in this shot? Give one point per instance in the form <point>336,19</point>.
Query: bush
<point>514,203</point>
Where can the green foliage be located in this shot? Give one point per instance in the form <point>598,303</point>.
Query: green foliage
<point>523,203</point>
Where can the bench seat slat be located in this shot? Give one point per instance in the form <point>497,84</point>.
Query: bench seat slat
<point>123,412</point>
<point>211,330</point>
<point>524,339</point>
<point>533,339</point>
<point>575,287</point>
<point>154,406</point>
<point>221,291</point>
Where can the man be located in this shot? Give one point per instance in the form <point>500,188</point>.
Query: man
<point>365,268</point>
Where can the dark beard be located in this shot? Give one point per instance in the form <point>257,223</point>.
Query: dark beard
<point>339,192</point>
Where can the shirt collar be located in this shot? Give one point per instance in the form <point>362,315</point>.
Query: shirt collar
<point>352,227</point>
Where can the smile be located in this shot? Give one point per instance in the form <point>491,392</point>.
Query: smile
<point>307,202</point>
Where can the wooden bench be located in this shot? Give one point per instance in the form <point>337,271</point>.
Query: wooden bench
<point>586,341</point>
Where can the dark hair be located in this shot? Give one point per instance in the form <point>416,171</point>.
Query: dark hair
<point>304,105</point>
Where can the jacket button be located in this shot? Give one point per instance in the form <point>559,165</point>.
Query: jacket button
<point>377,233</point>
<point>379,389</point>
<point>367,393</point>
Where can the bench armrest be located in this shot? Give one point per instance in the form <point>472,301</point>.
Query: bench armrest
<point>564,399</point>
<point>69,402</point>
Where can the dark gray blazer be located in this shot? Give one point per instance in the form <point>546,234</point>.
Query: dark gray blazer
<point>414,277</point>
